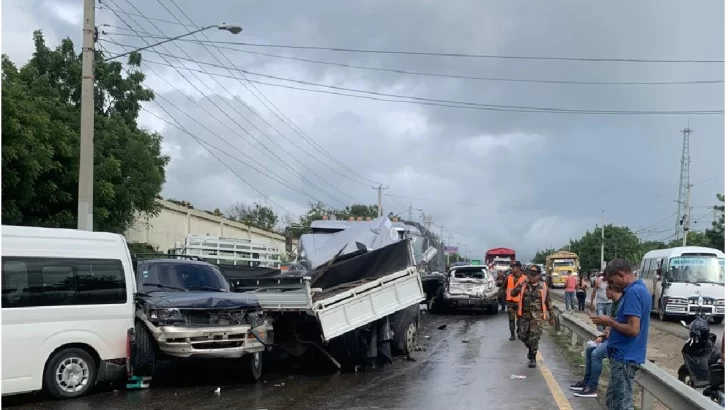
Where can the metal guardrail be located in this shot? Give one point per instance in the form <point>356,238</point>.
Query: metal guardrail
<point>653,383</point>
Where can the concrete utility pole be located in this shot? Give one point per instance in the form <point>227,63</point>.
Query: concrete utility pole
<point>686,222</point>
<point>86,163</point>
<point>602,264</point>
<point>379,199</point>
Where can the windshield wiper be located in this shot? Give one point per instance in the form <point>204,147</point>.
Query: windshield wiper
<point>210,288</point>
<point>162,286</point>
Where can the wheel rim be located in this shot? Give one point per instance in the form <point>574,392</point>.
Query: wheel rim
<point>72,374</point>
<point>256,360</point>
<point>411,339</point>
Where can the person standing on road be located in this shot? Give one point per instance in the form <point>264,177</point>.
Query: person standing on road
<point>534,308</point>
<point>570,291</point>
<point>581,286</point>
<point>514,280</point>
<point>627,342</point>
<point>599,295</point>
<point>595,355</point>
<point>500,282</point>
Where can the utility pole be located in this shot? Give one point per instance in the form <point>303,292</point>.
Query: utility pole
<point>684,180</point>
<point>602,253</point>
<point>86,163</point>
<point>686,222</point>
<point>379,199</point>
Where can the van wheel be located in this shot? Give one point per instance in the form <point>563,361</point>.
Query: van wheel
<point>144,351</point>
<point>253,366</point>
<point>70,373</point>
<point>661,313</point>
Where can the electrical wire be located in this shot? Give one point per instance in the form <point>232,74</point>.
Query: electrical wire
<point>458,76</point>
<point>306,138</point>
<point>282,161</point>
<point>462,55</point>
<point>429,101</point>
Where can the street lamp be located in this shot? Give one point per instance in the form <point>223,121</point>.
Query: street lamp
<point>86,162</point>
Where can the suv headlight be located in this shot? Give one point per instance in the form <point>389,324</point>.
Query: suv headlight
<point>677,301</point>
<point>720,302</point>
<point>166,315</point>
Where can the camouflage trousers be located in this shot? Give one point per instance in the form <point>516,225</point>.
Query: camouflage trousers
<point>529,332</point>
<point>512,319</point>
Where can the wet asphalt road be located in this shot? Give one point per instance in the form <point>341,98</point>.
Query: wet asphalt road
<point>670,326</point>
<point>468,365</point>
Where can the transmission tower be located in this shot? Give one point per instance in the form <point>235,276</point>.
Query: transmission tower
<point>682,195</point>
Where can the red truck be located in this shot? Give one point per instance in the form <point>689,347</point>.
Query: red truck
<point>500,258</point>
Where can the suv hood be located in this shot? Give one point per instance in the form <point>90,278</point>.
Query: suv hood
<point>200,300</point>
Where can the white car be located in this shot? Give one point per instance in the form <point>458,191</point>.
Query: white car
<point>468,287</point>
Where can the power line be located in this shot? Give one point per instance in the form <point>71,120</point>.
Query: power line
<point>429,101</point>
<point>272,110</point>
<point>282,161</point>
<point>462,55</point>
<point>459,76</point>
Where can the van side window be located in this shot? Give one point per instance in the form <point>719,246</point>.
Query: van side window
<point>643,268</point>
<point>651,266</point>
<point>28,282</point>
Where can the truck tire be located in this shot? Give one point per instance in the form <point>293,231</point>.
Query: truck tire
<point>404,325</point>
<point>143,351</point>
<point>253,366</point>
<point>70,373</point>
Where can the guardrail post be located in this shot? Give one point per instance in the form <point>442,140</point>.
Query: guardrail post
<point>574,339</point>
<point>647,401</point>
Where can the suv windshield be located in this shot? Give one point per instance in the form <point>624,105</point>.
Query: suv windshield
<point>172,276</point>
<point>697,269</point>
<point>469,273</point>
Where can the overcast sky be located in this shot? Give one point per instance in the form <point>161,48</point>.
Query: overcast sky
<point>516,179</point>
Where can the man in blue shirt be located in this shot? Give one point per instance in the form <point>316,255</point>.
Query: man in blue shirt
<point>627,343</point>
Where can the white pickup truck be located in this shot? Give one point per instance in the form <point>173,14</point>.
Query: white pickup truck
<point>381,304</point>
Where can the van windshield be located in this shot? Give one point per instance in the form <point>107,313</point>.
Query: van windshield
<point>697,269</point>
<point>181,277</point>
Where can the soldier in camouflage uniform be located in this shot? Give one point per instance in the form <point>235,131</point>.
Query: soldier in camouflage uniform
<point>513,281</point>
<point>534,308</point>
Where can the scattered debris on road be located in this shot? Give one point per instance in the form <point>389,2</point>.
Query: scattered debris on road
<point>442,326</point>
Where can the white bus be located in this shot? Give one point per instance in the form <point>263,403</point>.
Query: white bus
<point>676,277</point>
<point>67,309</point>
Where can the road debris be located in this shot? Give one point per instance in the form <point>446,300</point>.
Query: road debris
<point>517,377</point>
<point>442,326</point>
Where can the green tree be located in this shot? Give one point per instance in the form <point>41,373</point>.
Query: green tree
<point>540,257</point>
<point>693,239</point>
<point>40,140</point>
<point>716,234</point>
<point>619,242</point>
<point>257,215</point>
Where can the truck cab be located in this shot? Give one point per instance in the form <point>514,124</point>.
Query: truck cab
<point>560,265</point>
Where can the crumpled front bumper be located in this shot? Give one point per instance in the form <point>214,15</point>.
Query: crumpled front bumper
<point>213,342</point>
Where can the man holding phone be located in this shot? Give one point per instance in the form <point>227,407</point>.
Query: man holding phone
<point>627,341</point>
<point>596,354</point>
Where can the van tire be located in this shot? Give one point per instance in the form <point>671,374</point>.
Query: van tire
<point>143,352</point>
<point>77,361</point>
<point>253,366</point>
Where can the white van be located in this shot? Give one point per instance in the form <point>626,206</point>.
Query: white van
<point>685,274</point>
<point>67,309</point>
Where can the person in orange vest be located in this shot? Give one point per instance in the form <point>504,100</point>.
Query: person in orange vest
<point>534,308</point>
<point>514,280</point>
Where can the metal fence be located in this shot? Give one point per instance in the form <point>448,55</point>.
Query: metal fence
<point>654,384</point>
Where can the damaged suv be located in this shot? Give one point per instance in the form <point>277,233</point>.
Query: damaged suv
<point>186,308</point>
<point>471,287</point>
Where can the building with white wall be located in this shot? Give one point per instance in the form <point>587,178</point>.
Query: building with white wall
<point>174,222</point>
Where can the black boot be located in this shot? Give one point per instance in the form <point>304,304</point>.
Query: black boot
<point>532,363</point>
<point>513,336</point>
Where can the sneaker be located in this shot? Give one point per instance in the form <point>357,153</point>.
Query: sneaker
<point>577,386</point>
<point>587,392</point>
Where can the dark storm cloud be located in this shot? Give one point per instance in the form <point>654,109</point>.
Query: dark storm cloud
<point>523,180</point>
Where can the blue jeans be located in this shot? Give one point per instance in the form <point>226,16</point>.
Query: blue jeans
<point>603,309</point>
<point>621,383</point>
<point>569,300</point>
<point>594,357</point>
